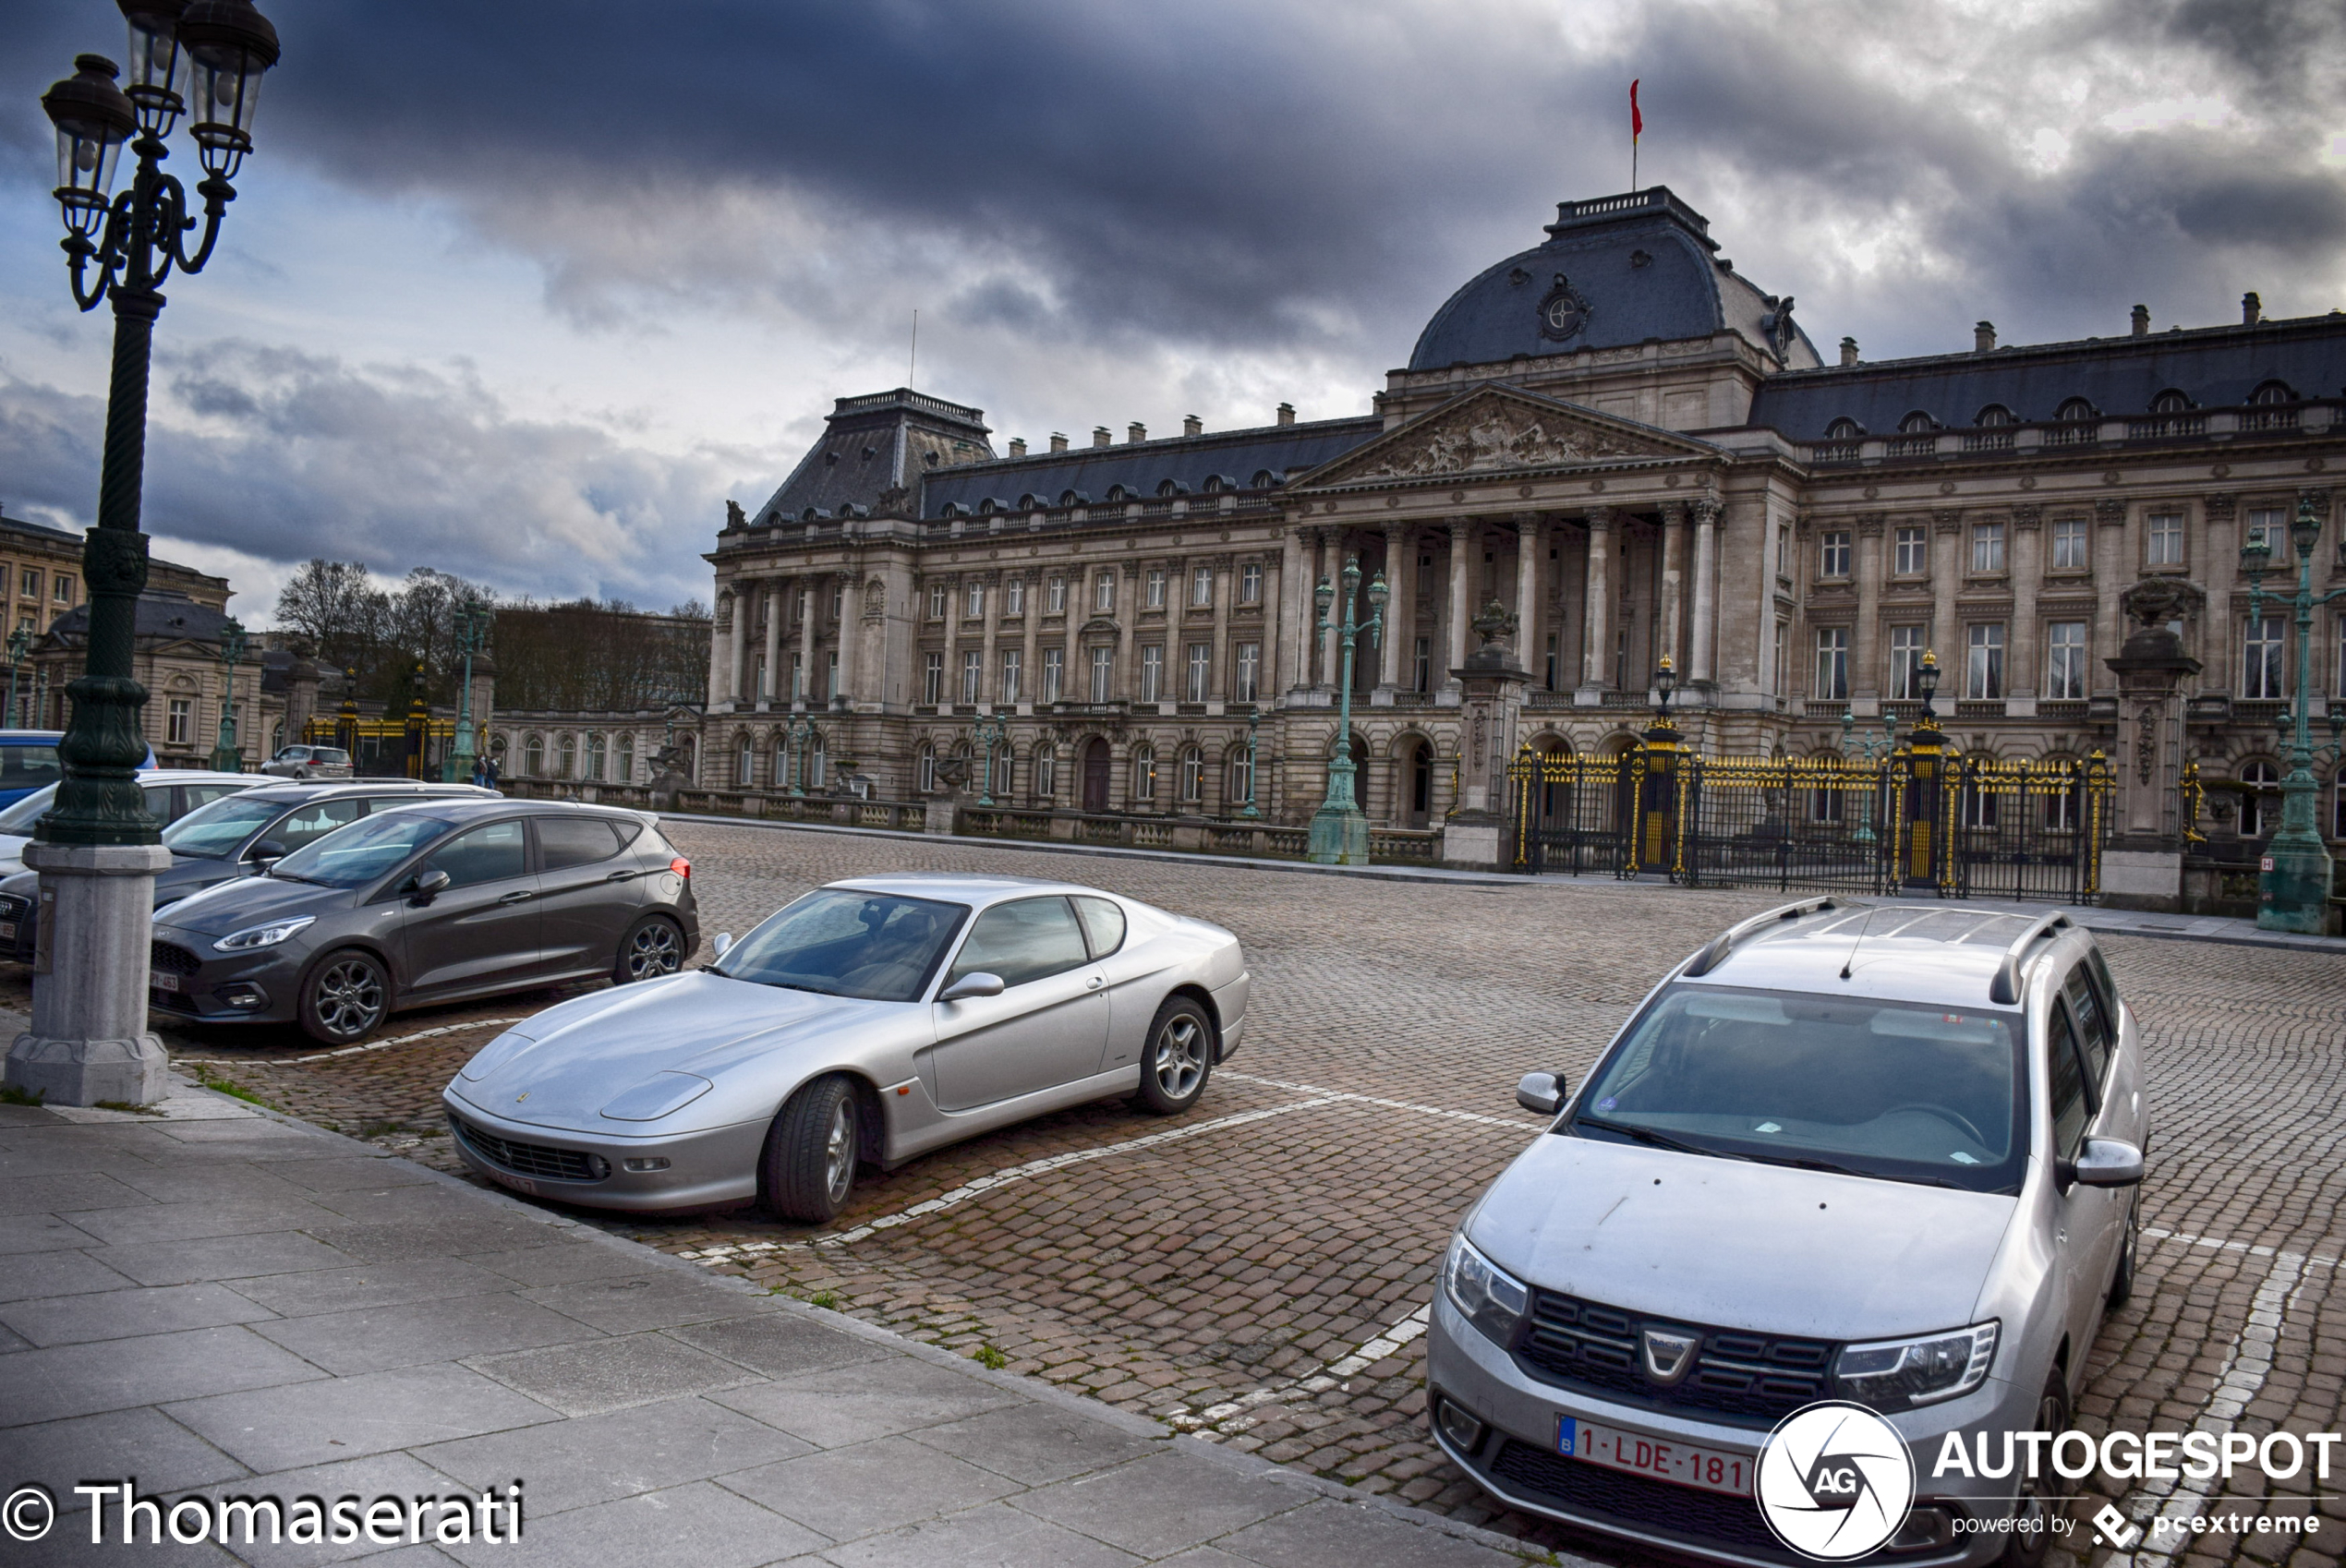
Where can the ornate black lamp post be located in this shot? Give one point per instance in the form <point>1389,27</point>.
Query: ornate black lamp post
<point>2293,887</point>
<point>226,757</point>
<point>19,644</point>
<point>1340,828</point>
<point>97,847</point>
<point>990,731</point>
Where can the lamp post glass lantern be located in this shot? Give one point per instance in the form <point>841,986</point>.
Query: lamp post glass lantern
<point>97,847</point>
<point>2293,878</point>
<point>1340,828</point>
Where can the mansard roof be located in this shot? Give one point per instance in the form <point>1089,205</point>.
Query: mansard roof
<point>1143,469</point>
<point>875,444</point>
<point>161,615</point>
<point>2213,366</point>
<point>1631,268</point>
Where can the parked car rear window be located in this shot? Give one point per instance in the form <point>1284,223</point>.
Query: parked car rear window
<point>362,851</point>
<point>839,942</point>
<point>1893,1090</point>
<point>328,753</point>
<point>217,829</point>
<point>28,768</point>
<point>565,842</point>
<point>1103,923</point>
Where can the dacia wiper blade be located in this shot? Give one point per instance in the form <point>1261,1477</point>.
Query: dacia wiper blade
<point>1646,1135</point>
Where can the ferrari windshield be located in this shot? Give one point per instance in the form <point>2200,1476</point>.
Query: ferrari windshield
<point>1840,1083</point>
<point>842,943</point>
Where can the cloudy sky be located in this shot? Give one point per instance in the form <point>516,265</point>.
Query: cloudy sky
<point>525,290</point>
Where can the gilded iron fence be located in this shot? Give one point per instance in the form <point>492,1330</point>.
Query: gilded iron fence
<point>1919,820</point>
<point>386,748</point>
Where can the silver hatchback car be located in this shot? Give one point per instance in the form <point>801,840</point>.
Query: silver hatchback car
<point>1877,1153</point>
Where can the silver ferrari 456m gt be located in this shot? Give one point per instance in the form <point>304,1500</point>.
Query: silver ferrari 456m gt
<point>868,1022</point>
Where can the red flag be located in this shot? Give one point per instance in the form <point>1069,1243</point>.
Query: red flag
<point>1636,120</point>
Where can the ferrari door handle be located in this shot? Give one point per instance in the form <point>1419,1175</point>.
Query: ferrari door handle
<point>517,898</point>
<point>1095,983</point>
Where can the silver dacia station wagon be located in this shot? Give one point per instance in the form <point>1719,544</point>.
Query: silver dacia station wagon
<point>1871,1153</point>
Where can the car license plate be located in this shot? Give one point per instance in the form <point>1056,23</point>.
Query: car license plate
<point>519,1184</point>
<point>163,981</point>
<point>7,930</point>
<point>1706,1470</point>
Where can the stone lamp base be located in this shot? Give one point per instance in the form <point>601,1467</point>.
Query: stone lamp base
<point>89,1040</point>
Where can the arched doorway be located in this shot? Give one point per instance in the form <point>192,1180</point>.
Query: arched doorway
<point>1417,784</point>
<point>1095,775</point>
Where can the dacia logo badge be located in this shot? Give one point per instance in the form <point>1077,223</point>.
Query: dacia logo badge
<point>1669,1355</point>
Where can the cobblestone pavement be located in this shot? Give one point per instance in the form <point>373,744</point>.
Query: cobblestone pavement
<point>1260,1276</point>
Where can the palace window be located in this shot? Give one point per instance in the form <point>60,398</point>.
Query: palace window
<point>533,756</point>
<point>924,770</point>
<point>1045,776</point>
<point>1251,582</point>
<point>1912,558</point>
<point>1783,657</point>
<point>1907,647</point>
<point>973,602</point>
<point>2269,525</point>
<point>625,761</point>
<point>1192,776</point>
<point>179,726</point>
<point>2163,540</point>
<point>1013,666</point>
<point>2261,662</point>
<point>1103,592</point>
<point>1241,772</point>
<point>1102,674</point>
<point>1144,773</point>
<point>1984,665</point>
<point>1054,673</point>
<point>1833,555</point>
<point>2065,660</point>
<point>1202,586</point>
<point>831,676</point>
<point>2260,802</point>
<point>1250,672</point>
<point>30,585</point>
<point>798,676</point>
<point>932,677</point>
<point>1152,595</point>
<point>1152,671</point>
<point>1014,596</point>
<point>972,674</point>
<point>1421,666</point>
<point>1832,663</point>
<point>744,760</point>
<point>1055,596</point>
<point>936,591</point>
<point>596,759</point>
<point>1987,548</point>
<point>2069,545</point>
<point>838,599</point>
<point>1201,671</point>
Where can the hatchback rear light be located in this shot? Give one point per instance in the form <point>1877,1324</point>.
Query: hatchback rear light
<point>682,867</point>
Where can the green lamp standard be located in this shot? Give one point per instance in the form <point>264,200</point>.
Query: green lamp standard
<point>1254,756</point>
<point>799,727</point>
<point>472,621</point>
<point>990,731</point>
<point>1867,749</point>
<point>226,755</point>
<point>19,644</point>
<point>2292,883</point>
<point>97,849</point>
<point>1340,828</point>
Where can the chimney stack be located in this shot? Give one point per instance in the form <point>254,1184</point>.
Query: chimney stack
<point>1193,426</point>
<point>1848,351</point>
<point>1983,337</point>
<point>1059,441</point>
<point>2252,310</point>
<point>1018,446</point>
<point>1287,414</point>
<point>1100,436</point>
<point>2142,320</point>
<point>1136,432</point>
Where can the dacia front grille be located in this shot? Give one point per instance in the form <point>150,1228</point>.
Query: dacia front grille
<point>1587,1344</point>
<point>529,1159</point>
<point>172,958</point>
<point>1637,1505</point>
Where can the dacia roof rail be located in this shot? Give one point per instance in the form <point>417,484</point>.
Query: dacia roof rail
<point>1716,952</point>
<point>2005,988</point>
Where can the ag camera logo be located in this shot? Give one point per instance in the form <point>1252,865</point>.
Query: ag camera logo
<point>1835,1481</point>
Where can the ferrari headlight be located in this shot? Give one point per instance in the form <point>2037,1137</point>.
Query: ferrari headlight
<point>267,935</point>
<point>1491,1299</point>
<point>1898,1374</point>
<point>662,1094</point>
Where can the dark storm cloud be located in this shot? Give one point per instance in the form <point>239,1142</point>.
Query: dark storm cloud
<point>287,456</point>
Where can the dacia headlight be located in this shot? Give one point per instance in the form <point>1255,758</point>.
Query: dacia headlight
<point>1492,1299</point>
<point>1897,1374</point>
<point>267,935</point>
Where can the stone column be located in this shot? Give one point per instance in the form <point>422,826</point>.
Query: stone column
<point>2219,568</point>
<point>2023,639</point>
<point>1293,628</point>
<point>1217,685</point>
<point>1674,583</point>
<point>738,656</point>
<point>1596,648</point>
<point>851,637</point>
<point>989,689</point>
<point>1453,649</point>
<point>1030,672</point>
<point>89,1040</point>
<point>2110,576</point>
<point>775,589</point>
<point>1331,569</point>
<point>1865,651</point>
<point>1388,675</point>
<point>812,586</point>
<point>1702,653</point>
<point>1946,581</point>
<point>1531,596</point>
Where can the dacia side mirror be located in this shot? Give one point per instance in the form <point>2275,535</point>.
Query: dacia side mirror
<point>426,885</point>
<point>2106,1162</point>
<point>978,984</point>
<point>1540,1092</point>
<point>267,852</point>
<point>722,946</point>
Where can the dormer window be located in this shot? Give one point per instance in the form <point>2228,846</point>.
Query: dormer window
<point>1844,430</point>
<point>2274,391</point>
<point>1170,488</point>
<point>1118,493</point>
<point>1995,414</point>
<point>2076,408</point>
<point>987,507</point>
<point>2171,402</point>
<point>1265,480</point>
<point>1916,423</point>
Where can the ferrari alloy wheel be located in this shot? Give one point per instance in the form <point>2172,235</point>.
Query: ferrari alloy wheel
<point>346,998</point>
<point>1178,1059</point>
<point>808,1167</point>
<point>653,947</point>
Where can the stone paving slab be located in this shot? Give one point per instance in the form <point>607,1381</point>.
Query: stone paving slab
<point>655,1412</point>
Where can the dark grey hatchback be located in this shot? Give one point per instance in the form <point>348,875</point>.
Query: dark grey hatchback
<point>440,902</point>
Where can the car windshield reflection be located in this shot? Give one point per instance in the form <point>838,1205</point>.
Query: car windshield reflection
<point>219,828</point>
<point>838,942</point>
<point>1843,1084</point>
<point>19,818</point>
<point>362,851</point>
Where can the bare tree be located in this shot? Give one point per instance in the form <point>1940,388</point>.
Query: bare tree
<point>336,609</point>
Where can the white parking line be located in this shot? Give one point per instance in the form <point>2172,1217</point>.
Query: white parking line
<point>726,1251</point>
<point>347,1050</point>
<point>1317,1381</point>
<point>2311,1261</point>
<point>1388,1104</point>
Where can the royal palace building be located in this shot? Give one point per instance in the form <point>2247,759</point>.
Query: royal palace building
<point>1635,450</point>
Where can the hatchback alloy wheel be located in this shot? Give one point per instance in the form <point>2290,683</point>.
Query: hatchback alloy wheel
<point>347,997</point>
<point>653,949</point>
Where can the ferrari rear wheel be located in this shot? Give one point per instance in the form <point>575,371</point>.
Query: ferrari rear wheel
<point>808,1167</point>
<point>1177,1058</point>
